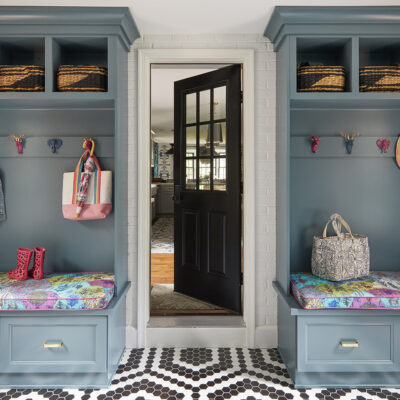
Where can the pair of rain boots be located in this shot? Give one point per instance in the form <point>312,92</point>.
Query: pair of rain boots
<point>21,273</point>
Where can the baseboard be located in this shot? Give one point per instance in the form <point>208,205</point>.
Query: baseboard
<point>266,337</point>
<point>131,337</point>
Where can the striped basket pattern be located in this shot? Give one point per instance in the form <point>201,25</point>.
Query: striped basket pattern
<point>81,78</point>
<point>21,78</point>
<point>380,79</point>
<point>321,78</point>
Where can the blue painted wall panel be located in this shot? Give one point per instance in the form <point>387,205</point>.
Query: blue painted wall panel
<point>364,191</point>
<point>33,194</point>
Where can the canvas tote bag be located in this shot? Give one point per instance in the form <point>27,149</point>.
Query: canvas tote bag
<point>99,193</point>
<point>340,257</point>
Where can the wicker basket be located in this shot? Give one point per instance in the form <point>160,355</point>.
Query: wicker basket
<point>380,79</point>
<point>320,78</point>
<point>82,78</point>
<point>21,78</point>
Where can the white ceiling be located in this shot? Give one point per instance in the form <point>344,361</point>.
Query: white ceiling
<point>199,16</point>
<point>162,97</point>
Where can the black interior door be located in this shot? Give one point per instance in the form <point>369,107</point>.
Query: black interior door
<point>207,177</point>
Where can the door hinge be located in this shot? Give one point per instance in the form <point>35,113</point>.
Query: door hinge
<point>241,278</point>
<point>241,96</point>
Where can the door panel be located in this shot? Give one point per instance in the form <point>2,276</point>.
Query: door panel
<point>217,243</point>
<point>191,239</point>
<point>207,175</point>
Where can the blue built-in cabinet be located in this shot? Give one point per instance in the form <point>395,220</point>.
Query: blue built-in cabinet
<point>363,187</point>
<point>93,341</point>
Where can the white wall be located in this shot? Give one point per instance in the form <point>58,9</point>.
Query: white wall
<point>266,308</point>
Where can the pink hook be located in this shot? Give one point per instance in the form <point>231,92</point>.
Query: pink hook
<point>314,143</point>
<point>383,144</point>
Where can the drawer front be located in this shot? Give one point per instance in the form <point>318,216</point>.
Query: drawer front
<point>340,344</point>
<point>53,344</point>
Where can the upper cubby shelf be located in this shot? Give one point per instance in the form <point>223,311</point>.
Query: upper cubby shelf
<point>331,51</point>
<point>22,51</point>
<point>51,37</point>
<point>78,51</point>
<point>382,51</point>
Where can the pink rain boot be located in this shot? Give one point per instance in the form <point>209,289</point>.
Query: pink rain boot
<point>23,260</point>
<point>37,271</point>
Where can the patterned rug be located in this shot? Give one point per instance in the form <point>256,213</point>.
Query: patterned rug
<point>162,235</point>
<point>224,373</point>
<point>163,297</point>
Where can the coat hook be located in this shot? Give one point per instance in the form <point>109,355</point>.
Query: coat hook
<point>349,140</point>
<point>383,144</point>
<point>19,142</point>
<point>55,144</point>
<point>314,143</point>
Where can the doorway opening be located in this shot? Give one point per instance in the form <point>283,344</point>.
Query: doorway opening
<point>196,263</point>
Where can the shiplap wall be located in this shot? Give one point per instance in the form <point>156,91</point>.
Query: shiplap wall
<point>266,308</point>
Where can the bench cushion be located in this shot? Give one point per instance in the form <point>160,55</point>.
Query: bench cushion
<point>73,291</point>
<point>376,290</point>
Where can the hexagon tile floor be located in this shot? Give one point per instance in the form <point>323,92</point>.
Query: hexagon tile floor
<point>153,374</point>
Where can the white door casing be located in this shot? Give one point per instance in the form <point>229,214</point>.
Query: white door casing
<point>194,333</point>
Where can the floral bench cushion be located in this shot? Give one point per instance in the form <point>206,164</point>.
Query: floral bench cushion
<point>377,290</point>
<point>74,291</point>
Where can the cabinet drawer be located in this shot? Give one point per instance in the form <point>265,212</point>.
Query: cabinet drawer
<point>340,344</point>
<point>53,344</point>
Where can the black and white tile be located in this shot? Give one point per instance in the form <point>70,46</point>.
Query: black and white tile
<point>224,373</point>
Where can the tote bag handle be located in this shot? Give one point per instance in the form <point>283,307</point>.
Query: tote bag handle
<point>337,222</point>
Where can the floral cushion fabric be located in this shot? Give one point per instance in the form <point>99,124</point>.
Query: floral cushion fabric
<point>74,291</point>
<point>376,290</point>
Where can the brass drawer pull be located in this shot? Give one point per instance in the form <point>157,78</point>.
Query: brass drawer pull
<point>345,343</point>
<point>52,345</point>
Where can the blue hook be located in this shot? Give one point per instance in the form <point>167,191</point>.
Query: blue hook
<point>55,144</point>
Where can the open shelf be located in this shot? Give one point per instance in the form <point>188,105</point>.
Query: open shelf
<point>79,51</point>
<point>22,51</point>
<point>329,51</point>
<point>56,100</point>
<point>383,100</point>
<point>379,51</point>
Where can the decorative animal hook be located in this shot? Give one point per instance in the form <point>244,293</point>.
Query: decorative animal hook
<point>314,143</point>
<point>383,144</point>
<point>19,142</point>
<point>54,144</point>
<point>349,140</point>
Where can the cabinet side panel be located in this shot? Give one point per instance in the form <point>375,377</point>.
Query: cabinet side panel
<point>121,167</point>
<point>282,166</point>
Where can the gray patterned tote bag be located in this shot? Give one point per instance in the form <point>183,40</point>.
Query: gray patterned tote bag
<point>340,257</point>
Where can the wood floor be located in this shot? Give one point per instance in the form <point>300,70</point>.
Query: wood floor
<point>162,268</point>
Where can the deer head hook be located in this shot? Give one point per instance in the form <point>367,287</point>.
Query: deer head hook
<point>19,142</point>
<point>349,141</point>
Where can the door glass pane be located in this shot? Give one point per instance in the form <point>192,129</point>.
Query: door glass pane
<point>220,173</point>
<point>204,175</point>
<point>220,138</point>
<point>205,105</point>
<point>220,102</point>
<point>191,141</point>
<point>191,173</point>
<point>191,108</point>
<point>204,141</point>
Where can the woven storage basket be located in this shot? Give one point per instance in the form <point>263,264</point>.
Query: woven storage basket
<point>380,79</point>
<point>320,78</point>
<point>82,78</point>
<point>341,257</point>
<point>21,78</point>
